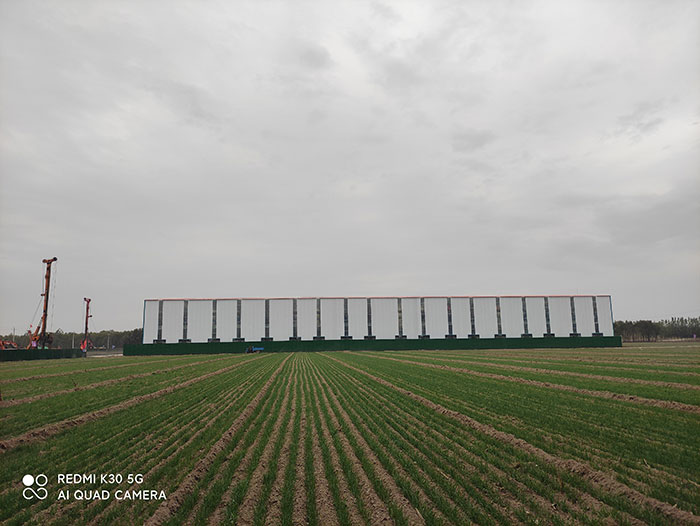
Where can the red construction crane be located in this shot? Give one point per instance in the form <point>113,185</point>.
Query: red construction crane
<point>39,339</point>
<point>86,343</point>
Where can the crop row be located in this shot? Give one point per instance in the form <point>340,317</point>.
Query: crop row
<point>353,438</point>
<point>160,438</point>
<point>613,372</point>
<point>649,389</point>
<point>13,371</point>
<point>25,417</point>
<point>652,449</point>
<point>43,385</point>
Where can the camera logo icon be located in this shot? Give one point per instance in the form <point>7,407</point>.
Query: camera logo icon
<point>30,482</point>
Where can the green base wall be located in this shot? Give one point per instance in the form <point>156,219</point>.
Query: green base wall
<point>38,354</point>
<point>372,345</point>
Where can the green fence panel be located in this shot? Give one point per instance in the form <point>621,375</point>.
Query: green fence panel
<point>372,345</point>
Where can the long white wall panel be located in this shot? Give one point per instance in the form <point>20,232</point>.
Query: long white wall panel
<point>306,318</point>
<point>281,319</point>
<point>584,315</point>
<point>385,318</point>
<point>226,312</point>
<point>461,317</point>
<point>485,317</point>
<point>253,320</point>
<point>332,318</point>
<point>436,317</point>
<point>199,320</point>
<point>357,318</point>
<point>536,322</point>
<point>605,318</point>
<point>410,314</point>
<point>512,317</point>
<point>150,321</point>
<point>172,320</point>
<point>560,315</point>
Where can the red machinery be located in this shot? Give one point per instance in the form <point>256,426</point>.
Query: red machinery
<point>39,338</point>
<point>86,344</point>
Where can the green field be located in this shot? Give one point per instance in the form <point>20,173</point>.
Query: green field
<point>550,436</point>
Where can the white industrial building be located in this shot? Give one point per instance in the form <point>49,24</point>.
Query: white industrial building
<point>375,318</point>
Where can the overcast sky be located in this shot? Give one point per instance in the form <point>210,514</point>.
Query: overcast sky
<point>264,148</point>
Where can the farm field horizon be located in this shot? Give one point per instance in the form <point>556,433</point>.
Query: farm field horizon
<point>520,436</point>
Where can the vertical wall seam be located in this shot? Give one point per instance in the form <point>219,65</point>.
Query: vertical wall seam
<point>574,331</point>
<point>399,314</point>
<point>498,319</point>
<point>547,334</point>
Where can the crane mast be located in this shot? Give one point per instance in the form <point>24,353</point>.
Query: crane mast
<point>86,344</point>
<point>39,338</point>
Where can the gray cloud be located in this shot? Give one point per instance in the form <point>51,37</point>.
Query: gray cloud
<point>642,120</point>
<point>315,57</point>
<point>466,141</point>
<point>365,148</point>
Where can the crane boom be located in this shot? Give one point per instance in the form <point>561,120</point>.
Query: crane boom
<point>39,338</point>
<point>86,343</point>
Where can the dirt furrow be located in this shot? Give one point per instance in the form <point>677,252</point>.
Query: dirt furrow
<point>44,432</point>
<point>231,401</point>
<point>88,370</point>
<point>640,381</point>
<point>429,484</point>
<point>349,498</point>
<point>299,507</point>
<point>457,454</point>
<point>377,508</point>
<point>466,461</point>
<point>112,381</point>
<point>324,500</point>
<point>602,480</point>
<point>597,364</point>
<point>665,404</point>
<point>217,516</point>
<point>243,464</point>
<point>246,512</point>
<point>274,512</point>
<point>59,508</point>
<point>397,497</point>
<point>170,506</point>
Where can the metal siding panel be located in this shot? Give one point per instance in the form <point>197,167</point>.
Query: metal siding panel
<point>584,315</point>
<point>605,319</point>
<point>357,318</point>
<point>385,319</point>
<point>560,316</point>
<point>150,321</point>
<point>281,320</point>
<point>253,320</point>
<point>485,317</point>
<point>332,318</point>
<point>461,321</point>
<point>172,320</point>
<point>436,317</point>
<point>199,320</point>
<point>306,319</point>
<point>226,312</point>
<point>536,322</point>
<point>512,317</point>
<point>410,313</point>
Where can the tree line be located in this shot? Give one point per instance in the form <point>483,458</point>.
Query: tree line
<point>631,331</point>
<point>651,331</point>
<point>71,340</point>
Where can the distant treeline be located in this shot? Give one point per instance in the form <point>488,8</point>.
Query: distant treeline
<point>648,331</point>
<point>631,331</point>
<point>68,340</point>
